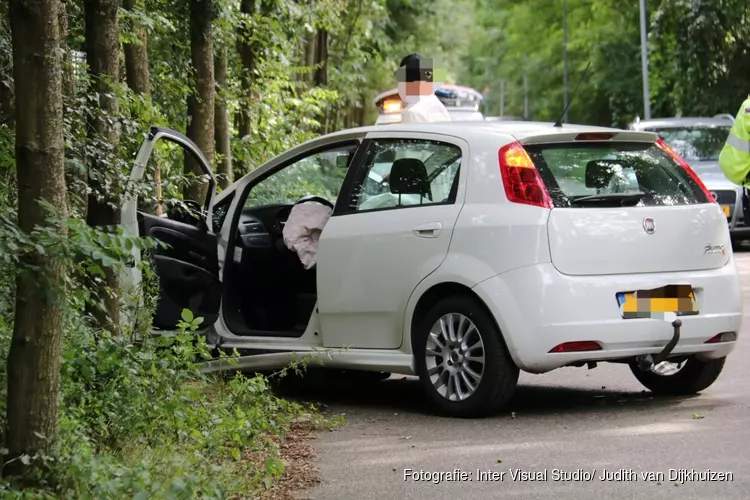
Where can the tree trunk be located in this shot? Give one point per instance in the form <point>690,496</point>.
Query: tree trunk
<point>321,58</point>
<point>136,58</point>
<point>201,114</point>
<point>221,128</point>
<point>137,76</point>
<point>247,56</point>
<point>74,179</point>
<point>362,111</point>
<point>102,55</point>
<point>6,90</point>
<point>35,351</point>
<point>310,53</point>
<point>69,77</point>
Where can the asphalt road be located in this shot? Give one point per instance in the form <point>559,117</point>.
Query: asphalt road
<point>569,421</point>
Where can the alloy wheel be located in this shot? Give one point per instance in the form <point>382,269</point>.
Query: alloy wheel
<point>455,357</point>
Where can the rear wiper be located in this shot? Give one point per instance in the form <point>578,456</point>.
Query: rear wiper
<point>615,199</point>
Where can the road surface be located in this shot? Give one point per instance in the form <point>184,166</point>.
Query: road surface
<point>566,429</point>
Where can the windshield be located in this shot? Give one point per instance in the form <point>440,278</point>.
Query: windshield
<point>695,143</point>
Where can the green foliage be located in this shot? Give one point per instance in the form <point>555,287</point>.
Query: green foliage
<point>698,54</point>
<point>701,49</point>
<point>142,421</point>
<point>137,418</point>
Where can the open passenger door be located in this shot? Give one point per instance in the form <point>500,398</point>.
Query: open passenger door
<point>188,269</point>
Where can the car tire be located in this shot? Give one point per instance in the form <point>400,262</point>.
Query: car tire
<point>499,375</point>
<point>692,378</point>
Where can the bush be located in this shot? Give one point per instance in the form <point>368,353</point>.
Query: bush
<point>141,421</point>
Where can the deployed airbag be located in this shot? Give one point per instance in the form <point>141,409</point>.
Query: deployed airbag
<point>302,230</point>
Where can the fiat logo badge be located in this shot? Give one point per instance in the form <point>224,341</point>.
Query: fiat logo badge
<point>648,225</point>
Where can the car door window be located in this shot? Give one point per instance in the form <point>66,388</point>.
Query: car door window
<point>168,193</point>
<point>320,174</point>
<point>402,173</point>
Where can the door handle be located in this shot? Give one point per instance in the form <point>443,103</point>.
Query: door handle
<point>431,230</point>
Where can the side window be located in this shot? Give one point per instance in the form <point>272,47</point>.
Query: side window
<point>220,212</point>
<point>166,191</point>
<point>320,174</point>
<point>407,172</point>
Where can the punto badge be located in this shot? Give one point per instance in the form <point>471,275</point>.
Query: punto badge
<point>648,225</point>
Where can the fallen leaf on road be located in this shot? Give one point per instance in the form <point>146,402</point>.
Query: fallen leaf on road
<point>697,416</point>
<point>499,460</point>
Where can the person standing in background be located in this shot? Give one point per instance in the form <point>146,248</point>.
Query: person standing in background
<point>417,89</point>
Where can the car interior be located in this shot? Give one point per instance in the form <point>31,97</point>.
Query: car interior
<point>268,290</point>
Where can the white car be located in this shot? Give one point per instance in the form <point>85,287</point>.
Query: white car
<point>504,247</point>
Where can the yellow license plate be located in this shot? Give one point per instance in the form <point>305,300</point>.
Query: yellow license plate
<point>726,209</point>
<point>678,299</point>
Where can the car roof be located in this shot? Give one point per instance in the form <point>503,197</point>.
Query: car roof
<point>683,122</point>
<point>520,130</point>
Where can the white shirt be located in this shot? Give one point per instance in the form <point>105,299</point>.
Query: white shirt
<point>427,109</point>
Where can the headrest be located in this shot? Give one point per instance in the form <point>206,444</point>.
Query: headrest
<point>600,172</point>
<point>409,176</point>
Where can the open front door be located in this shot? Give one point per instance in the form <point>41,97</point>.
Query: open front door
<point>188,269</point>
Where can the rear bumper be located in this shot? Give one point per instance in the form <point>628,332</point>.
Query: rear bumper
<point>537,308</point>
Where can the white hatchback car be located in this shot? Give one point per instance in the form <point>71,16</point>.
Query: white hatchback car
<point>492,248</point>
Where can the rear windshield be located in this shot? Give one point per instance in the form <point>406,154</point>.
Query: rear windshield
<point>574,171</point>
<point>695,143</point>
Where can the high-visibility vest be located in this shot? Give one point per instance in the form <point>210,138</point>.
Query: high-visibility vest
<point>734,159</point>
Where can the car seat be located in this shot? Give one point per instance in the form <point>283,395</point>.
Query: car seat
<point>409,176</point>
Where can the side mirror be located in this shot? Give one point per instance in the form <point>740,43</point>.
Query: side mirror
<point>342,160</point>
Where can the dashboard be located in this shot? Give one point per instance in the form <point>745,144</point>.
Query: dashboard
<point>261,227</point>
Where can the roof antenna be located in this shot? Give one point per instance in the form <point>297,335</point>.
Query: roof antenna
<point>558,123</point>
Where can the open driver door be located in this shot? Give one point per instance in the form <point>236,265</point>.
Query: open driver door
<point>188,268</point>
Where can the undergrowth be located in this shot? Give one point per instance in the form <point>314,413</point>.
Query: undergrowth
<point>138,419</point>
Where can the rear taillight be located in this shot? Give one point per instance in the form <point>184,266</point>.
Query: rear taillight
<point>578,346</point>
<point>671,152</point>
<point>722,337</point>
<point>522,181</point>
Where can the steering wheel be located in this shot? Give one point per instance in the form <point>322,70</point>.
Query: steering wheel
<point>316,199</point>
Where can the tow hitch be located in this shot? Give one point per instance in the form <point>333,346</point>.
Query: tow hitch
<point>646,362</point>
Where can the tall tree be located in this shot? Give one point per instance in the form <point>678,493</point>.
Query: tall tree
<point>103,57</point>
<point>6,93</point>
<point>201,99</point>
<point>247,57</point>
<point>321,58</point>
<point>137,76</point>
<point>35,352</point>
<point>69,77</point>
<point>221,128</point>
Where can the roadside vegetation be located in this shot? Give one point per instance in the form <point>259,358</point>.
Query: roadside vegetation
<point>91,405</point>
